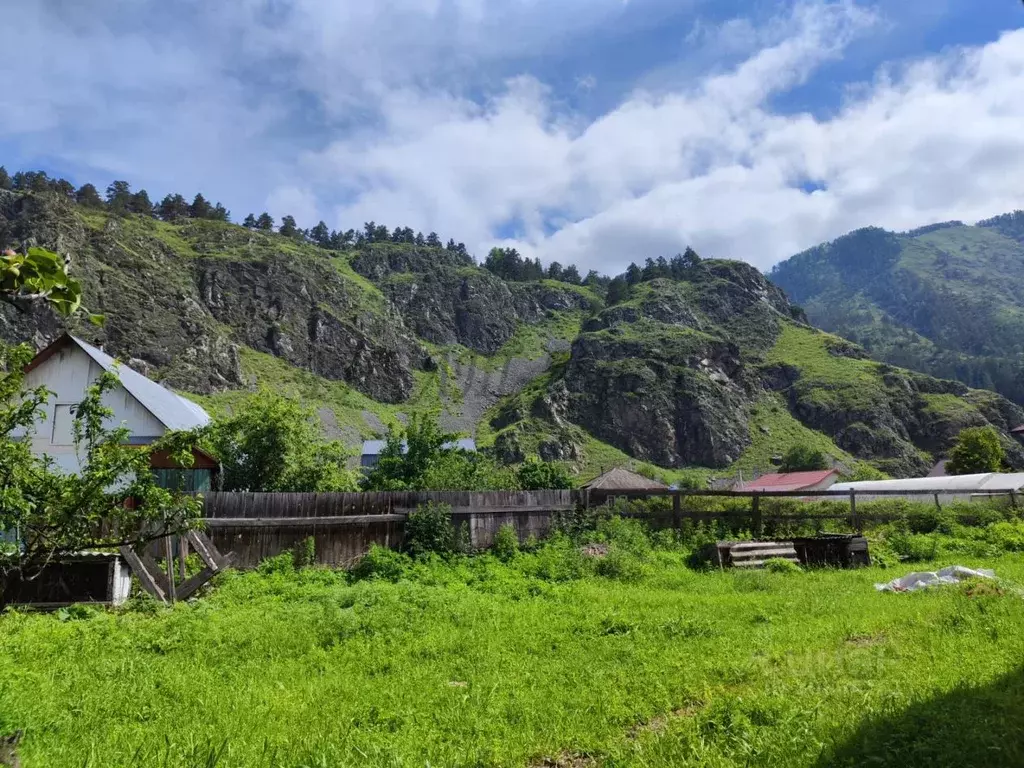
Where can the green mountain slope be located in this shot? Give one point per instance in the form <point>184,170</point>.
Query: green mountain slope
<point>945,300</point>
<point>710,371</point>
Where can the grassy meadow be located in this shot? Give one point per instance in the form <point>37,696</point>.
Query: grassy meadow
<point>541,658</point>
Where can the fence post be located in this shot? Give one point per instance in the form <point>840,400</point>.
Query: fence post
<point>677,519</point>
<point>756,514</point>
<point>854,519</point>
<point>1013,499</point>
<point>183,555</point>
<point>169,562</point>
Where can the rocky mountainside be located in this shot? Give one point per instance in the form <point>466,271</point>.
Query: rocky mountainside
<point>944,299</point>
<point>713,370</point>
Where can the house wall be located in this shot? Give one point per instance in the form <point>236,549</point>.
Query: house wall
<point>67,374</point>
<point>824,485</point>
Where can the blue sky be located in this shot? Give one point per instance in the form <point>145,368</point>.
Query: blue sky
<point>587,131</point>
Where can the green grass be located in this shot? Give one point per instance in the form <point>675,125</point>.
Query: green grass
<point>947,407</point>
<point>529,342</point>
<point>482,664</point>
<point>774,430</point>
<point>808,350</point>
<point>830,381</point>
<point>347,403</point>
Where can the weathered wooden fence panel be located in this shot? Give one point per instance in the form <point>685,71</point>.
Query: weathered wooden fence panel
<point>256,526</point>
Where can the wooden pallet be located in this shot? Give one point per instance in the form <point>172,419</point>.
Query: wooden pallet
<point>754,554</point>
<point>749,554</point>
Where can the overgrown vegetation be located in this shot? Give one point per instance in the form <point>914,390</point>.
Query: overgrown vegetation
<point>801,458</point>
<point>977,450</point>
<point>273,443</point>
<point>605,648</point>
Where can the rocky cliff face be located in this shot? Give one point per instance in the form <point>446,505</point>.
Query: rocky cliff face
<point>446,299</point>
<point>672,375</point>
<point>662,376</point>
<point>179,315</point>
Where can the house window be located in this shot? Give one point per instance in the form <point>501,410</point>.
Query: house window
<point>63,424</point>
<point>184,480</point>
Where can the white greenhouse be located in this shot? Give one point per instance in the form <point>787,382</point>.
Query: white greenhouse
<point>941,490</point>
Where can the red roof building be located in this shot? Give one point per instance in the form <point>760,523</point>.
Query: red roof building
<point>819,480</point>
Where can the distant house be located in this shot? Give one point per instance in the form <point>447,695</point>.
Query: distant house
<point>606,486</point>
<point>1018,432</point>
<point>69,366</point>
<point>819,480</point>
<point>373,448</point>
<point>620,479</point>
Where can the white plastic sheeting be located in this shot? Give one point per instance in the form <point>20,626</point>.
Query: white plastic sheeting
<point>924,579</point>
<point>945,489</point>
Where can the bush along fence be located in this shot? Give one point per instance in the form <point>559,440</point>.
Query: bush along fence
<point>255,526</point>
<point>343,526</point>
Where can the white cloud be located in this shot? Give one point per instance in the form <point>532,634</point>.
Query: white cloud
<point>390,112</point>
<point>713,166</point>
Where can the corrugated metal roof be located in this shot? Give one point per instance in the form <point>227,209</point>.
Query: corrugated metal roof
<point>374,447</point>
<point>170,409</point>
<point>989,482</point>
<point>788,481</point>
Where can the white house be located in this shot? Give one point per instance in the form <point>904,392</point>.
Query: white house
<point>69,366</point>
<point>372,449</point>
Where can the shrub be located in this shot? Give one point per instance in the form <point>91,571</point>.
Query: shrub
<point>914,548</point>
<point>274,443</point>
<point>977,449</point>
<point>621,564</point>
<point>559,559</point>
<point>803,458</point>
<point>506,543</point>
<point>781,565</point>
<point>1009,537</point>
<point>304,554</point>
<point>283,563</point>
<point>429,530</point>
<point>381,563</point>
<point>536,475</point>
<point>924,520</point>
<point>625,533</point>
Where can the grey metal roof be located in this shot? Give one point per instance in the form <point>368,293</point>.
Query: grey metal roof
<point>374,447</point>
<point>620,479</point>
<point>170,409</point>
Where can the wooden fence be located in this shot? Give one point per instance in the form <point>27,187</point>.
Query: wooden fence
<point>255,526</point>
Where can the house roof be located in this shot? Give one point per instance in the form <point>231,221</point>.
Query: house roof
<point>170,409</point>
<point>788,481</point>
<point>620,479</point>
<point>374,447</point>
<point>1017,430</point>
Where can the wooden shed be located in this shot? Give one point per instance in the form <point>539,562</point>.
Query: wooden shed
<point>82,577</point>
